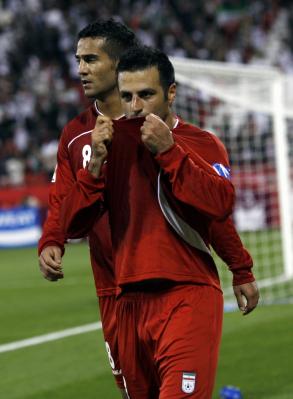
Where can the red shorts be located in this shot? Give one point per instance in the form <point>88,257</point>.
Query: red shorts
<point>169,341</point>
<point>107,306</point>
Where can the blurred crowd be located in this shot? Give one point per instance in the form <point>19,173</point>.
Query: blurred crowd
<point>40,88</point>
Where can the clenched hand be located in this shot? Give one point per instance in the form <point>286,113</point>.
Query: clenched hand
<point>50,263</point>
<point>250,292</point>
<point>101,137</point>
<point>156,135</point>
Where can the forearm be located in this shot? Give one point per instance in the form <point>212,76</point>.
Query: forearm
<point>228,246</point>
<point>51,237</point>
<point>95,167</point>
<point>52,232</point>
<point>82,205</point>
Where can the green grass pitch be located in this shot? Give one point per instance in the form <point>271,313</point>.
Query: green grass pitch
<point>256,352</point>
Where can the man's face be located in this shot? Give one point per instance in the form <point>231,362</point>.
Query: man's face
<point>96,70</point>
<point>141,93</point>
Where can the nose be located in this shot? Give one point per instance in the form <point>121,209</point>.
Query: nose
<point>136,105</point>
<point>82,67</point>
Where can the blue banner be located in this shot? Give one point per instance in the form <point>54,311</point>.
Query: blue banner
<point>19,227</point>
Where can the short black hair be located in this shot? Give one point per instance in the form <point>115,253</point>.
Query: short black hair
<point>118,37</point>
<point>142,57</point>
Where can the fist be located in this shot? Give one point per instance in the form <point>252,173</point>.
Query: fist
<point>101,137</point>
<point>156,135</point>
<point>50,263</point>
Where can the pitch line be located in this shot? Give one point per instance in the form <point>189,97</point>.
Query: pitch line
<point>41,339</point>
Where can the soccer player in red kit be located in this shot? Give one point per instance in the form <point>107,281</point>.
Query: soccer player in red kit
<point>166,188</point>
<point>98,50</point>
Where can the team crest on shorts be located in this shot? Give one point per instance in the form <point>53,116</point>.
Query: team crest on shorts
<point>188,382</point>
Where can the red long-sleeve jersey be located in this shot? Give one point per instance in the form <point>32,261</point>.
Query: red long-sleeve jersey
<point>74,152</point>
<point>144,244</point>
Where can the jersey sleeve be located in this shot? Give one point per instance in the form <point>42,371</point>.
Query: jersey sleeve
<point>195,182</point>
<point>62,182</point>
<point>83,204</point>
<point>228,246</point>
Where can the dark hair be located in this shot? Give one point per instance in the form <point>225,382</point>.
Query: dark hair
<point>142,57</point>
<point>118,38</point>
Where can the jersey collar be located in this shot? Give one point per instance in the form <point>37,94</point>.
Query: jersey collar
<point>100,113</point>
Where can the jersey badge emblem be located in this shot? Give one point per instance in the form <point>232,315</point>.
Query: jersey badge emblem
<point>222,170</point>
<point>188,382</point>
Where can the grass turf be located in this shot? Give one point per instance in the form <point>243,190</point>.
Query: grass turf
<point>256,352</point>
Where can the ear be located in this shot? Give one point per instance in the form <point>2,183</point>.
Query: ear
<point>114,66</point>
<point>171,94</point>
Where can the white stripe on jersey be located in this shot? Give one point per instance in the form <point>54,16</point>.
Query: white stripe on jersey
<point>176,123</point>
<point>101,113</point>
<point>81,134</point>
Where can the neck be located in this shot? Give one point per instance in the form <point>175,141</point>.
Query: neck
<point>110,105</point>
<point>170,120</point>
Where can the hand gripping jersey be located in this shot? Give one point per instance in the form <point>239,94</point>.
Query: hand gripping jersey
<point>191,179</point>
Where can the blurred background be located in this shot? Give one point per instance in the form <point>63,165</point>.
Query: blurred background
<point>229,57</point>
<point>40,89</point>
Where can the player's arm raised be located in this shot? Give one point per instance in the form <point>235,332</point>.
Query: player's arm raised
<point>156,135</point>
<point>84,202</point>
<point>209,193</point>
<point>101,138</point>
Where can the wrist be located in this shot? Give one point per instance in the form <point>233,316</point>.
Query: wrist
<point>94,167</point>
<point>165,148</point>
<point>242,276</point>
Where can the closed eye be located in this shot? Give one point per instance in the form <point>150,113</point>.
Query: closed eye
<point>145,94</point>
<point>127,97</point>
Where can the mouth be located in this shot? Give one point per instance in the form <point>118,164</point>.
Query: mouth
<point>86,82</point>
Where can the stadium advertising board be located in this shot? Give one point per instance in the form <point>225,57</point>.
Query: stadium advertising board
<point>19,227</point>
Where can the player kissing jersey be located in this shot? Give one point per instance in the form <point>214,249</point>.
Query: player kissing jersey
<point>188,263</point>
<point>130,188</point>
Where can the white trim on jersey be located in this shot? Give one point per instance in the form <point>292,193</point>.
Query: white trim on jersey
<point>101,113</point>
<point>76,137</point>
<point>176,123</point>
<point>183,229</point>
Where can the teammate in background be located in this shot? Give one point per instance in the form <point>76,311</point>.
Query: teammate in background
<point>160,173</point>
<point>99,47</point>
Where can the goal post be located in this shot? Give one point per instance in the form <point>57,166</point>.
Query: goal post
<point>248,107</point>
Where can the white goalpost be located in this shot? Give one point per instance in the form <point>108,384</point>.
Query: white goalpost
<point>250,109</point>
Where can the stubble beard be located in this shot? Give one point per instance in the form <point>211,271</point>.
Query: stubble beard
<point>104,94</point>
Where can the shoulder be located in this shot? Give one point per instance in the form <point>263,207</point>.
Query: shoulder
<point>187,130</point>
<point>201,141</point>
<point>78,126</point>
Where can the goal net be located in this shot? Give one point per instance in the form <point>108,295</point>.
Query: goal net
<point>250,109</point>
